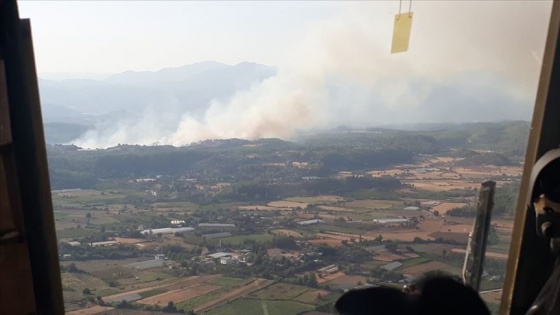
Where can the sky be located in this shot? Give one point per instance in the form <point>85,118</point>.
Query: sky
<point>115,36</point>
<point>332,58</point>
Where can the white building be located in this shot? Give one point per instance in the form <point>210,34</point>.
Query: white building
<point>219,255</point>
<point>390,221</point>
<point>310,222</point>
<point>216,235</point>
<point>168,230</point>
<point>391,266</point>
<point>107,243</point>
<point>412,208</point>
<point>216,226</point>
<point>430,203</point>
<point>226,260</point>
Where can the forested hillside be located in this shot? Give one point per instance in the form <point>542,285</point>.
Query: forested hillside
<point>319,155</point>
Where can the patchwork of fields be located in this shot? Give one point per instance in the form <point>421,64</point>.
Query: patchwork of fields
<point>413,230</point>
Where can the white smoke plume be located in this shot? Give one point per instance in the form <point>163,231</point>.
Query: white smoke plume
<point>340,72</point>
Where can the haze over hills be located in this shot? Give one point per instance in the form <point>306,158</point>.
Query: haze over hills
<point>192,86</point>
<point>210,100</point>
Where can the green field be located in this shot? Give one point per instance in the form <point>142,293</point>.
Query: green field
<point>200,300</point>
<point>105,292</point>
<point>414,262</point>
<point>237,240</point>
<point>348,228</point>
<point>149,275</point>
<point>312,200</point>
<point>176,205</point>
<point>259,307</point>
<point>370,204</point>
<point>279,291</point>
<point>229,282</point>
<point>310,297</point>
<point>75,233</point>
<point>366,216</point>
<point>153,292</point>
<point>102,220</point>
<point>75,283</point>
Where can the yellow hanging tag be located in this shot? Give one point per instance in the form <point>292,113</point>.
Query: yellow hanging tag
<point>401,32</point>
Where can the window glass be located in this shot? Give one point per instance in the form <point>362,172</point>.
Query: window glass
<point>265,157</point>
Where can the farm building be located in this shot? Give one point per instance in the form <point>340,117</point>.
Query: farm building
<point>177,222</point>
<point>160,257</point>
<point>216,226</point>
<point>430,203</point>
<point>168,230</point>
<point>391,221</point>
<point>311,222</point>
<point>227,260</point>
<point>412,208</point>
<point>219,255</point>
<point>107,243</point>
<point>74,244</point>
<point>391,266</point>
<point>216,235</point>
<point>328,270</point>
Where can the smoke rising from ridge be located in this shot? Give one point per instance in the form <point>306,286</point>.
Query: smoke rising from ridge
<point>481,54</point>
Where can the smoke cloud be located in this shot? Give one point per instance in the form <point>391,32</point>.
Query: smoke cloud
<point>465,56</point>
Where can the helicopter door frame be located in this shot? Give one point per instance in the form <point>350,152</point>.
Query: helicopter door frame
<point>530,264</point>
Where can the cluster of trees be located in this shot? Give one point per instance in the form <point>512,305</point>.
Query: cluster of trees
<point>505,201</point>
<point>120,251</point>
<point>326,153</point>
<point>169,308</point>
<point>71,168</point>
<point>284,242</point>
<point>476,158</point>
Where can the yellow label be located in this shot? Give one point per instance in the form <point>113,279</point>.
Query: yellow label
<point>401,32</point>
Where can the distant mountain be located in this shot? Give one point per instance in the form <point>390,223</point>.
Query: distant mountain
<point>149,106</point>
<point>186,89</point>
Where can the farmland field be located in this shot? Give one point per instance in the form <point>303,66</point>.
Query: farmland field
<point>279,291</point>
<point>312,296</point>
<point>201,299</point>
<point>90,311</point>
<point>180,295</point>
<point>346,282</point>
<point>287,232</point>
<point>258,307</point>
<point>234,294</point>
<point>273,263</point>
<point>234,240</point>
<point>317,199</point>
<point>287,204</point>
<point>371,204</point>
<point>424,267</point>
<point>229,282</point>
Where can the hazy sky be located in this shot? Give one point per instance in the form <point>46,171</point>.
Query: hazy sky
<point>112,36</point>
<point>333,59</point>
